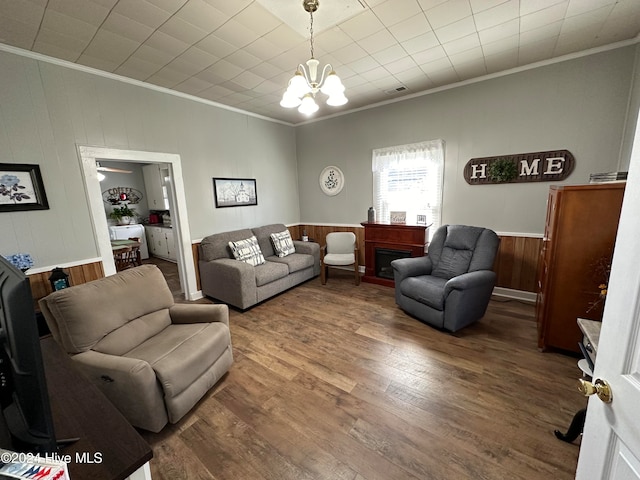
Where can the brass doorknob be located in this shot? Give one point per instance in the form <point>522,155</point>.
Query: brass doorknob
<point>600,387</point>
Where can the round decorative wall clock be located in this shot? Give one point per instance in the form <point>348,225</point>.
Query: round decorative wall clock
<point>331,181</point>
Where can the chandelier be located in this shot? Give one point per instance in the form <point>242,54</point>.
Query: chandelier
<point>304,85</point>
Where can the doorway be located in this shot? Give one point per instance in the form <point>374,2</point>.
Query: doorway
<point>88,157</point>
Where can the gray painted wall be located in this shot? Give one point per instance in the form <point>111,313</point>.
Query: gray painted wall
<point>47,110</point>
<point>579,105</point>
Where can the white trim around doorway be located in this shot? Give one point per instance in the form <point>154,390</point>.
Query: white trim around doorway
<point>88,156</point>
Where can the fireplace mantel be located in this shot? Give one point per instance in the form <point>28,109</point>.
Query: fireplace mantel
<point>391,236</point>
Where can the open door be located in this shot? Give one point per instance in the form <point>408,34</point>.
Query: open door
<point>610,446</point>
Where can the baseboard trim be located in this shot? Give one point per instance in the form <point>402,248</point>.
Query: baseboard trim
<point>521,295</point>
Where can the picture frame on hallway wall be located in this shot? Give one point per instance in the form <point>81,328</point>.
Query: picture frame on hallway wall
<point>21,188</point>
<point>235,192</point>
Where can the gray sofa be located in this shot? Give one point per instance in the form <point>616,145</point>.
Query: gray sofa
<point>242,285</point>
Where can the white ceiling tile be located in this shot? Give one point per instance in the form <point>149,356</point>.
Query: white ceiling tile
<point>243,59</point>
<point>16,33</point>
<point>578,7</point>
<point>482,5</point>
<point>418,84</point>
<point>375,74</point>
<point>193,85</point>
<point>400,65</point>
<point>182,30</point>
<point>263,49</point>
<point>502,61</point>
<point>421,43</point>
<point>167,77</point>
<point>456,30</point>
<point>543,17</point>
<point>188,68</point>
<point>429,55</point>
<point>528,7</point>
<point>364,65</point>
<point>248,80</point>
<point>126,27</point>
<point>23,11</point>
<point>502,13</point>
<point>362,25</point>
<point>541,34</point>
<point>210,75</point>
<point>111,47</point>
<point>55,51</point>
<point>447,13</point>
<point>230,8</point>
<point>504,30</point>
<point>429,4</point>
<point>105,3</point>
<point>443,76</point>
<point>502,45</point>
<point>475,68</point>
<point>225,69</point>
<point>168,44</point>
<point>332,39</point>
<point>283,37</point>
<point>269,87</point>
<point>466,57</point>
<point>591,20</point>
<point>378,41</point>
<point>390,54</point>
<point>216,46</point>
<point>266,70</point>
<point>142,12</point>
<point>138,68</point>
<point>202,15</point>
<point>171,6</point>
<point>198,58</point>
<point>410,28</point>
<point>395,11</point>
<point>257,19</point>
<point>236,34</point>
<point>410,75</point>
<point>462,44</point>
<point>350,53</point>
<point>152,55</point>
<point>88,12</point>
<point>99,63</point>
<point>535,52</point>
<point>65,42</point>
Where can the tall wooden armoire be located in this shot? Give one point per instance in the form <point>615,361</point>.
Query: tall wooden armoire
<point>580,232</point>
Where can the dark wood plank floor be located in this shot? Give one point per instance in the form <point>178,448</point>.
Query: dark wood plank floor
<point>335,382</point>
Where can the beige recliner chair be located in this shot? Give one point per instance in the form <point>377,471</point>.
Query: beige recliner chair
<point>152,358</point>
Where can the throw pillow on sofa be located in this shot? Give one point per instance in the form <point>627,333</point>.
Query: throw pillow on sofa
<point>282,243</point>
<point>248,251</point>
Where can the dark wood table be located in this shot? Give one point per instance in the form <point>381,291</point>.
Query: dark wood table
<point>108,446</point>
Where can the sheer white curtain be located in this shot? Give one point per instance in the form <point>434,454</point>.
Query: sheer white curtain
<point>409,178</point>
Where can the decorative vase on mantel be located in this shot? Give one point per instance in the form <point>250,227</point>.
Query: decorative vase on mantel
<point>124,220</point>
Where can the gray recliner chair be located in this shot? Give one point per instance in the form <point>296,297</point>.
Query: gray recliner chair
<point>450,287</point>
<point>152,358</point>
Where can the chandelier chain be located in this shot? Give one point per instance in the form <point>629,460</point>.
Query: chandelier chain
<point>311,32</point>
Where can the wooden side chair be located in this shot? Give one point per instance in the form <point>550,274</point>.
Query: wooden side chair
<point>340,250</point>
<point>128,257</point>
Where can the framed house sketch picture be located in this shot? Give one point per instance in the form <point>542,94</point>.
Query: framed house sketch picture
<point>235,192</point>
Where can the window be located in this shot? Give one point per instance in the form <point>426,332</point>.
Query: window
<point>409,178</point>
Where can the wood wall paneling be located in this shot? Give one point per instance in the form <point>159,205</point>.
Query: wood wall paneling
<point>40,286</point>
<point>515,265</point>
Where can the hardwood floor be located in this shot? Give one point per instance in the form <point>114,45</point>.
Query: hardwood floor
<point>335,382</point>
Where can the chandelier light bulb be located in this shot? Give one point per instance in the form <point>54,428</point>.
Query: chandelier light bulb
<point>298,85</point>
<point>337,100</point>
<point>308,105</point>
<point>332,85</point>
<point>290,100</point>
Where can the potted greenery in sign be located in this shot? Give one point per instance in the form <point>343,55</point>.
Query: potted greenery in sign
<point>123,215</point>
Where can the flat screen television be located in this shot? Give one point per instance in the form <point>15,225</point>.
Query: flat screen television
<point>25,398</point>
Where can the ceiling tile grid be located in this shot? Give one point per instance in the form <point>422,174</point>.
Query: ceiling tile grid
<point>242,53</point>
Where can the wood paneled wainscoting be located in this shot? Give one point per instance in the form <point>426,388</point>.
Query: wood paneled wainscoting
<point>515,265</point>
<point>78,274</point>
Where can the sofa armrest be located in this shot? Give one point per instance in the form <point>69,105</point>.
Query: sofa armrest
<point>230,281</point>
<point>199,313</point>
<point>309,248</point>
<point>411,267</point>
<point>470,281</point>
<point>130,384</point>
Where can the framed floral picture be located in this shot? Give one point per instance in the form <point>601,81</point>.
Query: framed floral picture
<point>21,188</point>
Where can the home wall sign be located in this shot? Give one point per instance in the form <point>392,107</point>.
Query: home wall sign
<point>520,168</point>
